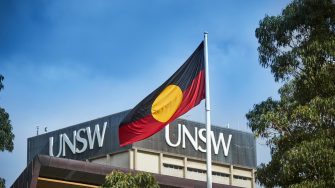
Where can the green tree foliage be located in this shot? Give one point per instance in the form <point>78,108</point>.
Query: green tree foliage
<point>117,179</point>
<point>2,183</point>
<point>6,135</point>
<point>299,48</point>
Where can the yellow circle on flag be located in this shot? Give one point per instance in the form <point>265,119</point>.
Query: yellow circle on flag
<point>167,103</point>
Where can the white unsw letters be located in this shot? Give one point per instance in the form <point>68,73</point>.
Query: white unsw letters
<point>77,137</point>
<point>183,132</point>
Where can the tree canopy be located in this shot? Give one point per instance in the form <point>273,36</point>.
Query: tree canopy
<point>2,183</point>
<point>298,46</point>
<point>6,135</point>
<point>117,179</point>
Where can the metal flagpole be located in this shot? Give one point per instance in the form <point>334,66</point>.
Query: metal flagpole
<point>208,118</point>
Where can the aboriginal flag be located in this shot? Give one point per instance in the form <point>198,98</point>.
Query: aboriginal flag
<point>181,92</point>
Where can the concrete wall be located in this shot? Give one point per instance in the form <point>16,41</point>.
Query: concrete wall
<point>173,166</point>
<point>179,166</point>
<point>102,160</point>
<point>120,160</point>
<point>147,162</point>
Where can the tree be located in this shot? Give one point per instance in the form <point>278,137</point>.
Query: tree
<point>299,48</point>
<point>2,183</point>
<point>6,135</point>
<point>117,179</point>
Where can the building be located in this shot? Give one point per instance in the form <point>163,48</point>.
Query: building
<point>81,155</point>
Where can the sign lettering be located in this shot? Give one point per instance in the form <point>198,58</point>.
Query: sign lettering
<point>78,136</point>
<point>200,134</point>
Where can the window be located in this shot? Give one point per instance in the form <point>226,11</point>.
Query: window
<point>220,174</point>
<point>196,170</point>
<point>241,177</point>
<point>204,172</point>
<point>172,166</point>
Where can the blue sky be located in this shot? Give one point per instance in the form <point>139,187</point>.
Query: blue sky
<point>67,62</point>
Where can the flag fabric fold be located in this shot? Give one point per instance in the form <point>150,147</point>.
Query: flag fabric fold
<point>176,96</point>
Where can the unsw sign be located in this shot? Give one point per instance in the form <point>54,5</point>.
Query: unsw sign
<point>84,139</point>
<point>83,136</point>
<point>199,136</point>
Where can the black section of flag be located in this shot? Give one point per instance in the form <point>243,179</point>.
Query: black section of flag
<point>183,77</point>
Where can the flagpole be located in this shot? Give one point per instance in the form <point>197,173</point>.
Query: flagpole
<point>208,117</point>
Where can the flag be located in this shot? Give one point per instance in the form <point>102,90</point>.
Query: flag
<point>176,96</point>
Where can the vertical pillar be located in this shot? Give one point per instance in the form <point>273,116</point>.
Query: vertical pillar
<point>131,159</point>
<point>253,180</point>
<point>231,177</point>
<point>108,159</point>
<point>185,167</point>
<point>135,159</point>
<point>160,160</point>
